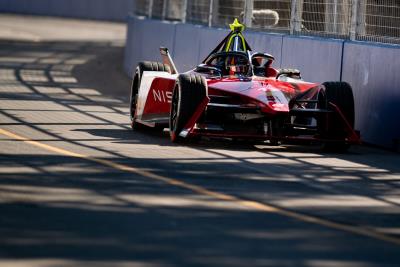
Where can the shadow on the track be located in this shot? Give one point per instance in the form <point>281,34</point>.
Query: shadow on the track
<point>111,216</point>
<point>78,210</point>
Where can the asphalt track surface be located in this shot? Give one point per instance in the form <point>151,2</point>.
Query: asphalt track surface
<point>79,188</point>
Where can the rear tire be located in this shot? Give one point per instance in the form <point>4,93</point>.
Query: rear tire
<point>137,78</point>
<point>189,91</point>
<point>340,94</point>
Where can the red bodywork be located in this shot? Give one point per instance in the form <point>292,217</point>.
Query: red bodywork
<point>271,98</point>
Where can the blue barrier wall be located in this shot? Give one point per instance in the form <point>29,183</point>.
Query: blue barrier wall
<point>144,38</point>
<point>268,43</point>
<point>185,51</point>
<point>209,39</point>
<point>318,59</point>
<point>372,70</point>
<point>130,54</point>
<point>88,9</point>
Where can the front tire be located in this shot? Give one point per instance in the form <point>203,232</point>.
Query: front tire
<point>137,78</point>
<point>341,95</point>
<point>189,91</point>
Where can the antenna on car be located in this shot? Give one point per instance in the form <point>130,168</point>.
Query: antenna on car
<point>167,59</point>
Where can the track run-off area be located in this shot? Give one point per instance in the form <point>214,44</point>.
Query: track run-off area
<point>78,187</point>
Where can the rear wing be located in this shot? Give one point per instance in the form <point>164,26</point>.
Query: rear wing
<point>167,60</point>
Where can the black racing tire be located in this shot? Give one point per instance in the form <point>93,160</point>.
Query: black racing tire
<point>188,93</point>
<point>137,78</point>
<point>341,95</point>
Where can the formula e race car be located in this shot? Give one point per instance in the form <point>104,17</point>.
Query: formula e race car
<point>235,93</point>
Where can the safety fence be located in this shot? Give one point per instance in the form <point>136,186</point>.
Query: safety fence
<point>369,20</point>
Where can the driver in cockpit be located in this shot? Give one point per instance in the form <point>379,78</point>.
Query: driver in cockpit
<point>237,65</point>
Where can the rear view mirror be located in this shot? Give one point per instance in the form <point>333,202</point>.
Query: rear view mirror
<point>203,68</point>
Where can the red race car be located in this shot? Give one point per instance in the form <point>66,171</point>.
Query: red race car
<point>237,94</point>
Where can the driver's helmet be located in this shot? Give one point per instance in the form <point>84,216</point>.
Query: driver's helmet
<point>237,65</point>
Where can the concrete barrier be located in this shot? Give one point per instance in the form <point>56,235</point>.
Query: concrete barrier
<point>151,35</point>
<point>373,72</point>
<point>187,46</point>
<point>318,59</point>
<point>209,39</point>
<point>116,10</point>
<point>267,43</point>
<point>130,55</point>
<point>145,37</point>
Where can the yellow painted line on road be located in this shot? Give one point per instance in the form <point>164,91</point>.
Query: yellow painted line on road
<point>220,196</point>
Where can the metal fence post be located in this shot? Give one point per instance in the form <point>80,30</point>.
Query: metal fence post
<point>150,11</point>
<point>184,11</point>
<point>164,9</point>
<point>353,21</point>
<point>335,16</point>
<point>211,13</point>
<point>338,17</point>
<point>295,16</point>
<point>292,15</point>
<point>248,13</point>
<point>361,17</point>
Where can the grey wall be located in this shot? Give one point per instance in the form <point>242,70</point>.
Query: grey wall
<point>144,38</point>
<point>374,73</point>
<point>372,70</point>
<point>269,43</point>
<point>318,59</point>
<point>187,46</point>
<point>89,9</point>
